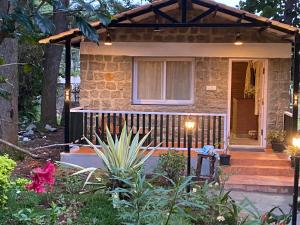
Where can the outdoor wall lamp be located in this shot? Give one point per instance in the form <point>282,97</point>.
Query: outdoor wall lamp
<point>189,125</point>
<point>296,144</point>
<point>238,40</point>
<point>67,95</point>
<point>107,40</point>
<point>296,99</point>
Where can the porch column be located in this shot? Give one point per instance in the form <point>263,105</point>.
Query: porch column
<point>67,100</point>
<point>295,77</point>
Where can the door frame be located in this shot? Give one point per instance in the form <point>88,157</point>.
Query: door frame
<point>263,143</point>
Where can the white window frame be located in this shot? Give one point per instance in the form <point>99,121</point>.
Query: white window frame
<point>163,101</point>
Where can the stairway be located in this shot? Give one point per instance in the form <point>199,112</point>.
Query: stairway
<point>259,172</point>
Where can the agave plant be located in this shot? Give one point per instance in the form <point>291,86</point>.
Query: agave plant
<point>122,155</point>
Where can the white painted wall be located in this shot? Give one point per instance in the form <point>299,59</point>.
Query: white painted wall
<point>229,50</point>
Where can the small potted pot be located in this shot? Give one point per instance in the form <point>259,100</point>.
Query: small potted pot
<point>292,151</point>
<point>277,146</point>
<point>276,139</point>
<point>225,159</point>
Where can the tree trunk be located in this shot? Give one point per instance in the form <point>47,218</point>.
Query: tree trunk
<point>52,58</point>
<point>9,107</point>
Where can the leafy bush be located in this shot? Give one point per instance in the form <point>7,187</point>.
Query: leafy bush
<point>6,167</point>
<point>148,204</point>
<point>172,164</point>
<point>276,136</point>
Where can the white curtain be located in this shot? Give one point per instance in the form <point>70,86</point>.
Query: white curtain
<point>178,80</point>
<point>150,79</point>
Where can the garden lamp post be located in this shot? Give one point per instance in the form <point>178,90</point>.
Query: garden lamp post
<point>189,125</point>
<point>296,144</point>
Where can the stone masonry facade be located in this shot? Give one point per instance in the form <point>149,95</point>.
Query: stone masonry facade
<point>106,80</point>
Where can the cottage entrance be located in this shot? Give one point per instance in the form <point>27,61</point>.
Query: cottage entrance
<point>247,103</point>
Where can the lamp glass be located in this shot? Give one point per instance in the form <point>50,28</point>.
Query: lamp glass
<point>108,41</point>
<point>238,40</point>
<point>67,95</point>
<point>296,142</point>
<point>190,125</point>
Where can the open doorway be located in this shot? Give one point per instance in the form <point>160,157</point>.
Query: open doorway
<point>246,102</point>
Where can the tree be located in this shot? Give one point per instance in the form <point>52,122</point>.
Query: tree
<point>286,11</point>
<point>20,19</point>
<point>52,58</point>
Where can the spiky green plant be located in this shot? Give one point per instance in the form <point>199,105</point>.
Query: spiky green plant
<point>122,155</point>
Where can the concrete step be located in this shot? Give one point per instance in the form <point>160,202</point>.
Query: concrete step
<point>258,155</point>
<point>267,184</point>
<point>260,162</point>
<point>259,170</point>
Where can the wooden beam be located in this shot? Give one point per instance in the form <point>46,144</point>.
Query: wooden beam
<point>67,92</point>
<point>201,16</point>
<point>164,15</point>
<point>183,10</point>
<point>295,76</point>
<point>174,25</point>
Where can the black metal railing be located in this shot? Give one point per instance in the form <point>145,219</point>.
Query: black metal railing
<point>166,128</point>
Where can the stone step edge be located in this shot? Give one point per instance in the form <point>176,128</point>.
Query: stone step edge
<point>260,188</point>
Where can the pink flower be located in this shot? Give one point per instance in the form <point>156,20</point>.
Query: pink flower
<point>42,177</point>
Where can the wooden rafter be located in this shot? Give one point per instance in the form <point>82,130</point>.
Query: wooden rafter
<point>201,16</point>
<point>164,15</point>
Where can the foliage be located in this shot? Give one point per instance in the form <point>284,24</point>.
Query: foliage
<point>148,204</point>
<point>30,82</point>
<point>292,151</point>
<point>97,210</point>
<point>276,136</point>
<point>274,9</point>
<point>42,178</point>
<point>6,167</point>
<point>32,19</point>
<point>121,156</point>
<point>172,164</point>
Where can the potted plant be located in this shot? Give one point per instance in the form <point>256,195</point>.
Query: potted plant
<point>292,151</point>
<point>276,139</point>
<point>225,155</point>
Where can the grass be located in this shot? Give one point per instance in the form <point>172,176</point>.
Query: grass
<point>31,208</point>
<point>97,210</point>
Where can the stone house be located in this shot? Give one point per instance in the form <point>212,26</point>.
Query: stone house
<point>163,63</point>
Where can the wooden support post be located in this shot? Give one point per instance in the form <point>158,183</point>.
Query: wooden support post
<point>183,11</point>
<point>67,100</point>
<point>295,76</point>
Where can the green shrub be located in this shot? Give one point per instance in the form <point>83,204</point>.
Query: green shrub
<point>172,164</point>
<point>6,167</point>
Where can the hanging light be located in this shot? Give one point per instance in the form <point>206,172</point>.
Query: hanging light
<point>107,40</point>
<point>238,40</point>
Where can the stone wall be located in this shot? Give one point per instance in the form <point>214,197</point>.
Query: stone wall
<point>106,83</point>
<point>278,92</point>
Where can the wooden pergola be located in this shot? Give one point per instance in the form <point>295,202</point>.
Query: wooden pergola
<point>160,8</point>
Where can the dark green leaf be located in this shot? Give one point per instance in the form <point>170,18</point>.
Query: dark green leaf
<point>87,29</point>
<point>27,68</point>
<point>105,20</point>
<point>23,20</point>
<point>2,61</point>
<point>45,25</point>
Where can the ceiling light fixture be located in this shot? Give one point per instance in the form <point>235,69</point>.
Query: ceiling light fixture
<point>238,40</point>
<point>107,40</point>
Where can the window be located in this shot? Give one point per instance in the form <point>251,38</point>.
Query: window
<point>163,81</point>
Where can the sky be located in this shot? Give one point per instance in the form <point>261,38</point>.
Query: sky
<point>229,2</point>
